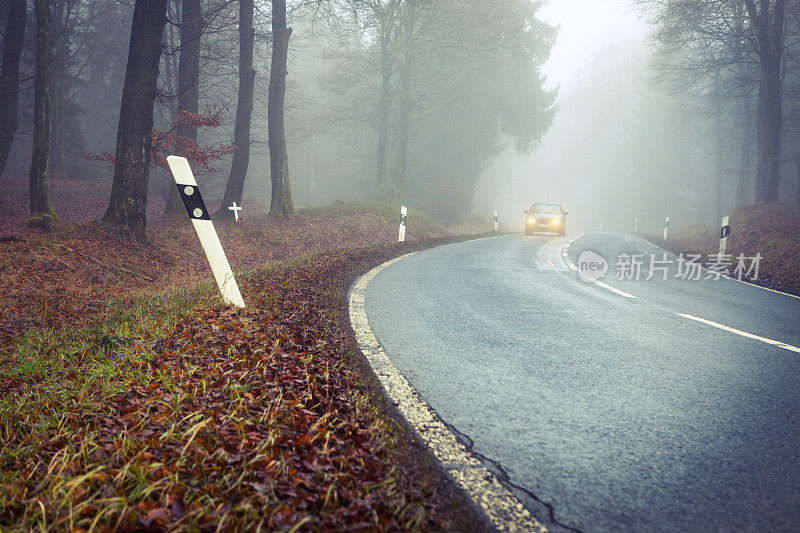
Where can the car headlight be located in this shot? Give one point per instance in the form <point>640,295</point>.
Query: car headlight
<point>531,221</point>
<point>556,221</point>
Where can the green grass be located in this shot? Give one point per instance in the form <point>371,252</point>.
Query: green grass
<point>56,376</point>
<point>75,403</point>
<point>44,354</point>
<point>61,369</point>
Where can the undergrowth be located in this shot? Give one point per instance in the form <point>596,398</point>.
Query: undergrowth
<point>175,413</point>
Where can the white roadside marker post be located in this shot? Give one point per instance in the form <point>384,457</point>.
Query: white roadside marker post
<point>601,223</point>
<point>636,225</point>
<point>666,228</point>
<point>723,235</point>
<point>401,237</point>
<point>495,221</point>
<point>235,210</point>
<point>201,219</point>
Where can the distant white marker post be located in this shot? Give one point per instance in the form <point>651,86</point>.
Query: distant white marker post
<point>636,225</point>
<point>201,219</point>
<point>666,228</point>
<point>601,223</point>
<point>235,208</point>
<point>401,237</point>
<point>495,221</point>
<point>723,235</point>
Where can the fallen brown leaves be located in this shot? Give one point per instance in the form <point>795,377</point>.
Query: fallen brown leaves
<point>236,420</point>
<point>769,229</point>
<point>118,415</point>
<point>81,272</point>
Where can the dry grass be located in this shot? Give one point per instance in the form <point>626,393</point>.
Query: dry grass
<point>129,404</point>
<point>772,230</point>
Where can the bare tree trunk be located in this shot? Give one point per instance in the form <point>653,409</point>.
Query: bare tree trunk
<point>244,108</point>
<point>387,26</point>
<point>9,80</point>
<point>281,203</point>
<point>769,25</point>
<point>383,121</point>
<point>62,15</point>
<point>743,187</point>
<point>760,141</point>
<point>720,158</point>
<point>773,130</point>
<point>718,133</point>
<point>797,191</point>
<point>41,211</point>
<point>128,205</point>
<point>743,193</point>
<point>312,180</point>
<point>403,127</point>
<point>170,70</point>
<point>188,77</point>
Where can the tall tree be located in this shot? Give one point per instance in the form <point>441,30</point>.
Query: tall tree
<point>386,16</point>
<point>9,79</point>
<point>730,37</point>
<point>62,28</point>
<point>244,108</point>
<point>464,75</point>
<point>188,90</point>
<point>768,22</point>
<point>41,211</point>
<point>745,83</point>
<point>128,205</point>
<point>406,105</point>
<point>281,203</point>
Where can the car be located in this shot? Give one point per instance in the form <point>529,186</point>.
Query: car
<point>546,216</point>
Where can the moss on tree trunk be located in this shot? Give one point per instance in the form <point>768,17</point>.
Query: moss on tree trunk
<point>42,213</point>
<point>281,203</point>
<point>128,204</point>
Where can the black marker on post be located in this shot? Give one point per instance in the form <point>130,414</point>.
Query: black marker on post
<point>401,237</point>
<point>201,219</point>
<point>723,235</point>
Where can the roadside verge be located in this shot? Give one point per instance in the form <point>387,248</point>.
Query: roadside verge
<point>208,418</point>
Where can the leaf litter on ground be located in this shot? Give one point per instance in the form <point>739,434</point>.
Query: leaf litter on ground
<point>126,407</point>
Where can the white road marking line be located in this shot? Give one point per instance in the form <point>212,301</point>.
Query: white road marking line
<point>548,257</point>
<point>742,333</point>
<point>730,278</point>
<point>565,255</point>
<point>599,283</point>
<point>614,289</point>
<point>499,504</point>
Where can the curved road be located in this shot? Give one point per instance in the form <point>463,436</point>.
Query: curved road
<point>626,405</point>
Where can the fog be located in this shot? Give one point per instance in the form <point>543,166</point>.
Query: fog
<point>618,109</point>
<point>621,147</point>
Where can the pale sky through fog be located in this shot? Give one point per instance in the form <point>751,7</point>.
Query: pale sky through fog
<point>588,28</point>
<point>584,25</point>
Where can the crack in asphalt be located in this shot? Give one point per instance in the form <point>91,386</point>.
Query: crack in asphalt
<point>505,479</point>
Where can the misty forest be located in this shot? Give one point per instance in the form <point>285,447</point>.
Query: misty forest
<point>354,100</point>
<point>198,357</point>
<point>319,101</point>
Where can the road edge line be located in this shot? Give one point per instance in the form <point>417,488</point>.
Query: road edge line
<point>745,334</point>
<point>501,507</point>
<point>571,265</point>
<point>757,286</point>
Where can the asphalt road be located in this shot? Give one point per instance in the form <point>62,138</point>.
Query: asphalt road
<point>605,408</point>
